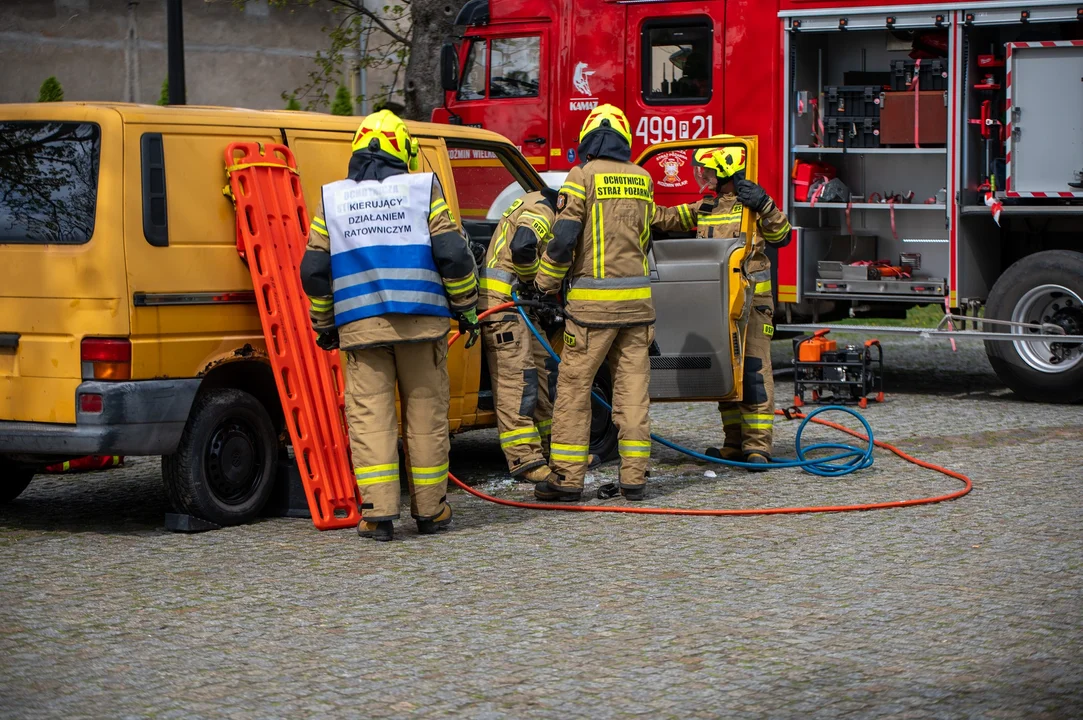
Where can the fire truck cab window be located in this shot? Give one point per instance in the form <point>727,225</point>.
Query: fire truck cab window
<point>472,85</point>
<point>516,66</point>
<point>677,62</point>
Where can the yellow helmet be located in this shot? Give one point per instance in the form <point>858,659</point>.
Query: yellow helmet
<point>609,116</point>
<point>389,133</point>
<point>726,161</point>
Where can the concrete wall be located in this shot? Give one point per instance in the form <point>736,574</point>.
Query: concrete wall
<point>116,50</point>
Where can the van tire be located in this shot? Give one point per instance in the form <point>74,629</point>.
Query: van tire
<point>225,466</point>
<point>13,480</point>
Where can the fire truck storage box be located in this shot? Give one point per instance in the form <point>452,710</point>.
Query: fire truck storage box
<point>804,173</point>
<point>885,286</point>
<point>897,118</point>
<point>933,75</point>
<point>1046,118</point>
<point>856,101</point>
<point>852,132</point>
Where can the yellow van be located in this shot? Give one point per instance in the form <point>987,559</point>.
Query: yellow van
<point>127,319</point>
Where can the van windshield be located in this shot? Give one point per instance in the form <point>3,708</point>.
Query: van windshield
<point>48,181</point>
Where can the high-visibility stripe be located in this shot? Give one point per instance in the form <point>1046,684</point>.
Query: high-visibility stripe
<point>572,453</point>
<point>574,189</point>
<point>530,269</point>
<point>598,232</point>
<point>645,235</point>
<point>540,222</point>
<point>375,474</point>
<point>609,295</point>
<point>500,243</point>
<point>116,460</point>
<point>321,304</point>
<point>777,234</point>
<point>461,286</point>
<point>429,475</point>
<point>319,226</point>
<point>731,417</point>
<point>763,287</point>
<point>545,427</point>
<point>437,207</point>
<point>494,285</point>
<point>520,437</point>
<point>553,270</point>
<point>66,465</point>
<point>520,432</point>
<point>758,421</point>
<point>686,216</point>
<point>634,448</point>
<point>720,219</point>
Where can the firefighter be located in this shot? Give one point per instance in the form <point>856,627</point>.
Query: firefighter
<point>747,425</point>
<point>605,211</point>
<point>385,268</point>
<point>521,370</point>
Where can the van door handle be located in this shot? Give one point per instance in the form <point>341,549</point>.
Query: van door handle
<point>536,140</point>
<point>9,340</point>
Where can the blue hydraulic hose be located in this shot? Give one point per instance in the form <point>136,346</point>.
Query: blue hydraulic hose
<point>852,458</point>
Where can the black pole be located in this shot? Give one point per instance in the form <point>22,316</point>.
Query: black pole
<point>175,52</point>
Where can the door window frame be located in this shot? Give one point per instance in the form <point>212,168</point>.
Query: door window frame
<point>646,57</point>
<point>488,40</point>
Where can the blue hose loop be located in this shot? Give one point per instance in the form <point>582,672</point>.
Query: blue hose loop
<point>843,463</point>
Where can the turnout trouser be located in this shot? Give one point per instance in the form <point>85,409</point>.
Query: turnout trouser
<point>419,370</point>
<point>585,349</point>
<point>749,425</point>
<point>522,375</point>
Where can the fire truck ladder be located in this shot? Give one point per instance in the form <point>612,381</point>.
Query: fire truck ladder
<point>272,227</point>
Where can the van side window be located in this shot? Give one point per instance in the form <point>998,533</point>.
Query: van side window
<point>472,85</point>
<point>516,67</point>
<point>677,62</point>
<point>48,181</point>
<point>486,182</point>
<point>152,169</point>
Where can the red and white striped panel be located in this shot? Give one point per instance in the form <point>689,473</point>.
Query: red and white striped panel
<point>1008,120</point>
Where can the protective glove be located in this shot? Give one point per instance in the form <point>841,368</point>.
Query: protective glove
<point>327,339</point>
<point>752,195</point>
<point>468,325</point>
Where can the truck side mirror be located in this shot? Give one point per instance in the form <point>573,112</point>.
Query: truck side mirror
<point>449,67</point>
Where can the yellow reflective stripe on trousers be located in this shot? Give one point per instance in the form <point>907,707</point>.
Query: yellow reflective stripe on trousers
<point>598,233</point>
<point>758,421</point>
<point>634,448</point>
<point>609,295</point>
<point>574,189</point>
<point>319,226</point>
<point>522,436</point>
<point>763,287</point>
<point>731,417</point>
<point>375,474</point>
<point>429,475</point>
<point>571,453</point>
<point>545,427</point>
<point>438,207</point>
<point>321,304</point>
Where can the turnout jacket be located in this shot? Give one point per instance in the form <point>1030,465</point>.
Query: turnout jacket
<point>720,217</point>
<point>602,234</point>
<point>451,258</point>
<point>515,249</point>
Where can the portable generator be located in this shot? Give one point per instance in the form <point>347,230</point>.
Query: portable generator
<point>839,376</point>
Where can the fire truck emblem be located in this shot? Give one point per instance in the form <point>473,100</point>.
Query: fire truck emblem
<point>581,78</point>
<point>671,163</point>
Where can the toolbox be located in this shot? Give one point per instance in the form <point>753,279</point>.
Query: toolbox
<point>857,101</point>
<point>932,75</point>
<point>900,121</point>
<point>804,173</point>
<point>840,376</point>
<point>852,132</point>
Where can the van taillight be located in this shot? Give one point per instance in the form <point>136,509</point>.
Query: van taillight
<point>106,359</point>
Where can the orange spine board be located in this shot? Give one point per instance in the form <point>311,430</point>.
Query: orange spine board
<point>272,228</point>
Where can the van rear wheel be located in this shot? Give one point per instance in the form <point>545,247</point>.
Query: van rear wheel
<point>13,480</point>
<point>224,468</point>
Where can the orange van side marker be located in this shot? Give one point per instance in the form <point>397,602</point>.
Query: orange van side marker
<point>272,230</point>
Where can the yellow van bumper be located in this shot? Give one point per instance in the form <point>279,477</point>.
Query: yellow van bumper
<point>141,417</point>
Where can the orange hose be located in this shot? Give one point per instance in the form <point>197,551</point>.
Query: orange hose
<point>967,484</point>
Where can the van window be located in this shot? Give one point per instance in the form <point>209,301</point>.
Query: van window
<point>472,85</point>
<point>677,61</point>
<point>516,67</point>
<point>484,180</point>
<point>48,181</point>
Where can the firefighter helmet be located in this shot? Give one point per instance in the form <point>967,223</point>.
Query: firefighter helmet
<point>609,116</point>
<point>384,131</point>
<point>726,161</point>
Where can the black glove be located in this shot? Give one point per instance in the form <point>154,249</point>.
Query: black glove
<point>752,195</point>
<point>327,339</point>
<point>468,325</point>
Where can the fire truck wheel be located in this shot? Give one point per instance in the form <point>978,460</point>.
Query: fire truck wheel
<point>1046,287</point>
<point>603,433</point>
<point>224,468</point>
<point>13,479</point>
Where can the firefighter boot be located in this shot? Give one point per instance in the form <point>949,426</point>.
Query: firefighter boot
<point>549,492</point>
<point>383,531</point>
<point>635,493</point>
<point>431,526</point>
<point>536,475</point>
<point>728,452</point>
<point>758,459</point>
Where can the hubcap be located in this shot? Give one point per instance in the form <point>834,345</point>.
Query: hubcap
<point>1054,305</point>
<point>234,461</point>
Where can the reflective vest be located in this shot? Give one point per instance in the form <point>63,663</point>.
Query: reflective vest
<point>381,249</point>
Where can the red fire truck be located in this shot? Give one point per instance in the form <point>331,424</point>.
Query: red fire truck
<point>926,152</point>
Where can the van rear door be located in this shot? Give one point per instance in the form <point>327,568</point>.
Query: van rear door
<point>696,286</point>
<point>62,276</point>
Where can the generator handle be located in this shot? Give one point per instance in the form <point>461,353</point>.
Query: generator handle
<point>821,333</point>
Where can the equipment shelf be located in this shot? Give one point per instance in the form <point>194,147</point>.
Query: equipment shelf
<point>811,150</point>
<point>870,206</point>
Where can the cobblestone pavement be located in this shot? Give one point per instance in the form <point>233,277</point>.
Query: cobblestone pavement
<point>966,609</point>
